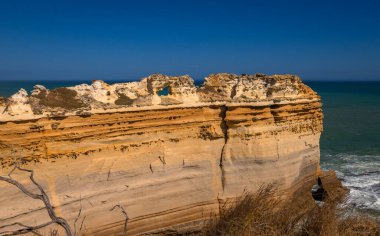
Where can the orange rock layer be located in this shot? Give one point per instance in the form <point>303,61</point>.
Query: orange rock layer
<point>168,166</point>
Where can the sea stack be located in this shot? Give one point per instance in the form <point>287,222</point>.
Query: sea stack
<point>166,151</point>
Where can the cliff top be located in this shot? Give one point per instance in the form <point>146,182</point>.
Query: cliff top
<point>153,92</point>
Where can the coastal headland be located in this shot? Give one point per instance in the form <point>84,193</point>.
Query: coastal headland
<point>169,152</point>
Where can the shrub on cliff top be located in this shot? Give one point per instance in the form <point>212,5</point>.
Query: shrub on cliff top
<point>60,97</point>
<point>124,100</point>
<point>2,100</point>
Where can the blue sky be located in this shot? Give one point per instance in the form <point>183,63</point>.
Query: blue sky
<point>126,40</point>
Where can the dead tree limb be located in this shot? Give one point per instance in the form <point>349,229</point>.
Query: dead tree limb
<point>25,230</point>
<point>125,215</point>
<point>42,197</point>
<point>77,218</point>
<point>81,225</point>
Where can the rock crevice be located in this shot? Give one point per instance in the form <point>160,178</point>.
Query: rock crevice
<point>224,127</point>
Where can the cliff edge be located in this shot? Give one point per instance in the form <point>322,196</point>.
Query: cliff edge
<point>166,150</point>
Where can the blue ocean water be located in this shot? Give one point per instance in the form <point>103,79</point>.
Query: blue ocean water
<point>7,88</point>
<point>350,143</point>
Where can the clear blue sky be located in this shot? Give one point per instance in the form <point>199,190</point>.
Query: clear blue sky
<point>126,40</point>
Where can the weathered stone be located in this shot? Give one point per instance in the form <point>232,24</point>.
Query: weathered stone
<point>38,89</point>
<point>169,160</point>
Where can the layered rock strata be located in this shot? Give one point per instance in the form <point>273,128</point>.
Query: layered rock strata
<point>168,159</point>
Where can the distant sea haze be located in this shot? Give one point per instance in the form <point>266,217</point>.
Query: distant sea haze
<point>350,142</point>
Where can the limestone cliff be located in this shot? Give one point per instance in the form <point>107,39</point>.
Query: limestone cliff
<point>168,159</point>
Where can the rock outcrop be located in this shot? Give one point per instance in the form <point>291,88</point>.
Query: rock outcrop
<point>168,159</point>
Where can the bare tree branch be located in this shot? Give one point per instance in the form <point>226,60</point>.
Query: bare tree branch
<point>25,230</point>
<point>43,197</point>
<point>125,215</point>
<point>10,172</point>
<point>77,218</point>
<point>81,225</point>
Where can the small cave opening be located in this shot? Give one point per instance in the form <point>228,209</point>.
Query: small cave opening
<point>164,91</point>
<point>318,192</point>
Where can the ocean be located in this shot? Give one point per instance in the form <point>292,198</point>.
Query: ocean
<point>350,143</point>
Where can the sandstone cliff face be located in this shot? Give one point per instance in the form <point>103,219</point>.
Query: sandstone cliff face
<point>169,160</point>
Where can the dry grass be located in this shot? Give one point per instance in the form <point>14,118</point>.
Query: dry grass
<point>264,213</point>
<point>359,225</point>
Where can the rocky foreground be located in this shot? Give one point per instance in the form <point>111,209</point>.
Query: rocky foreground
<point>169,160</point>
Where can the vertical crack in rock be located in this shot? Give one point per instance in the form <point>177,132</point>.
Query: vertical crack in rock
<point>109,170</point>
<point>275,134</point>
<point>150,167</point>
<point>278,154</point>
<point>224,127</point>
<point>234,88</point>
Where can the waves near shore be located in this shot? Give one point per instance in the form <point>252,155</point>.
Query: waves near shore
<point>361,174</point>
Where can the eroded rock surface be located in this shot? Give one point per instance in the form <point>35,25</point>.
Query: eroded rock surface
<point>170,159</point>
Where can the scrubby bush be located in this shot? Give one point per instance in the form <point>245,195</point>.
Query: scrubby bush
<point>124,100</point>
<point>60,97</point>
